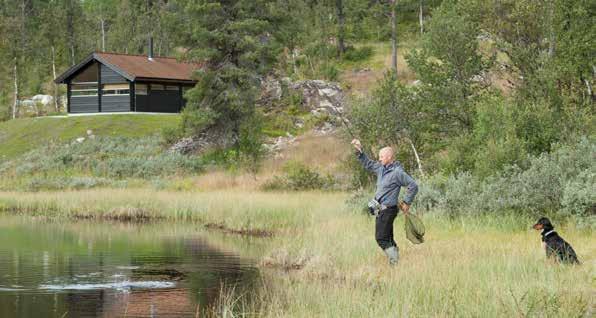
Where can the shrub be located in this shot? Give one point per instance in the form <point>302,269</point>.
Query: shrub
<point>330,72</point>
<point>358,54</point>
<point>65,183</point>
<point>171,135</point>
<point>560,182</point>
<point>299,177</point>
<point>579,195</point>
<point>431,193</point>
<point>115,157</point>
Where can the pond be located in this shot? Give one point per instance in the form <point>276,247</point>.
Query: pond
<point>51,268</point>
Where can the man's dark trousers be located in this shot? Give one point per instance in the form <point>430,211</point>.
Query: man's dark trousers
<point>384,227</point>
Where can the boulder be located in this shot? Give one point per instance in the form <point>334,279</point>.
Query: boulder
<point>270,90</point>
<point>200,143</point>
<point>321,97</point>
<point>275,145</point>
<point>27,103</point>
<point>45,100</point>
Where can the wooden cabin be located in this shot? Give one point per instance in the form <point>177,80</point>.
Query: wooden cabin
<point>114,82</point>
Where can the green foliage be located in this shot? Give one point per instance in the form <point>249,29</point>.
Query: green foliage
<point>493,143</point>
<point>330,72</point>
<point>389,117</point>
<point>356,54</point>
<point>68,183</point>
<point>579,195</point>
<point>250,145</point>
<point>451,70</point>
<point>170,135</point>
<point>237,46</point>
<point>299,177</point>
<point>559,182</point>
<point>454,117</point>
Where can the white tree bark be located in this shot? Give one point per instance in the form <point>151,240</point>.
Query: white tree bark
<point>417,158</point>
<point>103,34</point>
<point>393,37</point>
<point>551,28</point>
<point>421,19</point>
<point>16,90</point>
<point>341,46</point>
<point>54,77</point>
<point>589,87</point>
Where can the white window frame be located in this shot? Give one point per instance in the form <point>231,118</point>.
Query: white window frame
<point>72,85</point>
<point>117,90</point>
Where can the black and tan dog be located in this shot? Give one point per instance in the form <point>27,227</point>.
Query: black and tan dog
<point>556,247</point>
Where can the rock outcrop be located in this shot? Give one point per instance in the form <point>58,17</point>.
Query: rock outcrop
<point>320,98</point>
<point>196,144</point>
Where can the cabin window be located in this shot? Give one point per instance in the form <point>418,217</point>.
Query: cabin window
<point>141,89</point>
<point>172,88</point>
<point>157,87</point>
<point>115,89</point>
<point>83,89</point>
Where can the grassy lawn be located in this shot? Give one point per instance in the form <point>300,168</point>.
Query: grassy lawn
<point>21,135</point>
<point>322,260</point>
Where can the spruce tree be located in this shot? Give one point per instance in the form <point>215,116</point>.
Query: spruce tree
<point>233,40</point>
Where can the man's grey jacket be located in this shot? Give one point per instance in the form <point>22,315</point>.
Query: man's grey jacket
<point>390,179</point>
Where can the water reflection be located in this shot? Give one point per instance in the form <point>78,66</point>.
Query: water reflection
<point>74,270</point>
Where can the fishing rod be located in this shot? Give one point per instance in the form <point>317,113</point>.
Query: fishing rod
<point>344,122</point>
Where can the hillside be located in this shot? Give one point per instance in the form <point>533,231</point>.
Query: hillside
<point>22,135</point>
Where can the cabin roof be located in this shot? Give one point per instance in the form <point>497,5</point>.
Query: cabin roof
<point>137,67</point>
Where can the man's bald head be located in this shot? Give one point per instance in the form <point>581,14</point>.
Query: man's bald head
<point>386,155</point>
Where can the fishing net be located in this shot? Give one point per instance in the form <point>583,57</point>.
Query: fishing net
<point>414,228</point>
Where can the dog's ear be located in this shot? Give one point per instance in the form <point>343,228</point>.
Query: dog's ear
<point>546,224</point>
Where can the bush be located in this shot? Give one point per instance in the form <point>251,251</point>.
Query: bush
<point>561,182</point>
<point>330,72</point>
<point>299,177</point>
<point>353,54</point>
<point>65,183</point>
<point>104,157</point>
<point>579,195</point>
<point>431,193</point>
<point>171,135</point>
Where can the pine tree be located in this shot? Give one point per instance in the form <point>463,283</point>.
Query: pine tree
<point>234,40</point>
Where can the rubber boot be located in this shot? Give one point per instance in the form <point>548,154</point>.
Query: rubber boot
<point>392,254</point>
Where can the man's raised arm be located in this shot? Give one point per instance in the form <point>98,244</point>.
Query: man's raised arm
<point>370,165</point>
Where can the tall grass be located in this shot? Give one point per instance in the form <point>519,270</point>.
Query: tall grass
<point>323,260</point>
<point>244,211</point>
<point>465,268</point>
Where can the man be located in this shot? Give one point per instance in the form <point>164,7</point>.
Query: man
<point>390,178</point>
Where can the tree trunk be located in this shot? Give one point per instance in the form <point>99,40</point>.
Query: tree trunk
<point>103,35</point>
<point>417,158</point>
<point>293,53</point>
<point>393,38</point>
<point>16,90</point>
<point>589,88</point>
<point>54,77</point>
<point>341,47</point>
<point>70,31</point>
<point>421,19</point>
<point>551,28</point>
